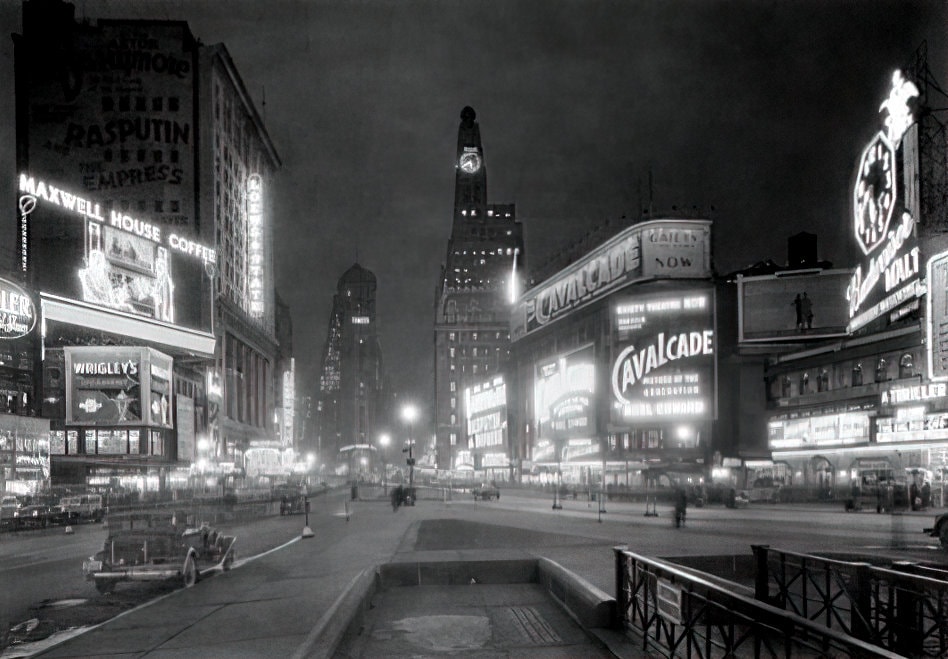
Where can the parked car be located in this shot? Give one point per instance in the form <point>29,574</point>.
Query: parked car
<point>940,529</point>
<point>84,507</point>
<point>158,546</point>
<point>486,492</point>
<point>9,504</point>
<point>34,516</point>
<point>741,499</point>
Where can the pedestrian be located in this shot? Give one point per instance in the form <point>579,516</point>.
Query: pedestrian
<point>396,497</point>
<point>681,506</point>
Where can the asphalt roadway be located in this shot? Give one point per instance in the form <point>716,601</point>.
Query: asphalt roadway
<point>275,603</point>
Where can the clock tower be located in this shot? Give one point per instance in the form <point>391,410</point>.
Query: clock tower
<point>470,173</point>
<point>482,271</point>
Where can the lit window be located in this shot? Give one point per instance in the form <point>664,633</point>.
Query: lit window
<point>882,370</point>
<point>454,402</point>
<point>454,386</point>
<point>907,366</point>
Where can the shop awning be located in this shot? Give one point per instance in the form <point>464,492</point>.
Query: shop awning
<point>175,340</point>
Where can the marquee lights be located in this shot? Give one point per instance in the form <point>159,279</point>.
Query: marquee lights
<point>255,237</point>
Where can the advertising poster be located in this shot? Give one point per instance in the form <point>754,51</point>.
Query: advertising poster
<point>663,365</point>
<point>788,307</point>
<point>104,387</point>
<point>159,369</point>
<point>565,407</point>
<point>185,422</point>
<point>486,408</point>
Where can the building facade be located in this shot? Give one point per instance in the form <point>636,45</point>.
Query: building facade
<point>613,361</point>
<point>863,414</point>
<point>350,407</point>
<point>143,232</point>
<point>480,278</point>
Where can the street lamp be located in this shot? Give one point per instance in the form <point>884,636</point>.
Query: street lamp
<point>384,440</point>
<point>409,414</point>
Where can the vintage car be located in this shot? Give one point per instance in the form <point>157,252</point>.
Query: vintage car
<point>292,499</point>
<point>158,546</point>
<point>486,492</point>
<point>940,529</point>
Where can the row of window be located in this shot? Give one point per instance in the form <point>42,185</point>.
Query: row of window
<point>473,336</point>
<point>826,379</point>
<point>140,103</point>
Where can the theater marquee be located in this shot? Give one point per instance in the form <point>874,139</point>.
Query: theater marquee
<point>658,249</point>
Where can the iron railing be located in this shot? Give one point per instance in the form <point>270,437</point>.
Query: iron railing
<point>903,609</point>
<point>677,614</point>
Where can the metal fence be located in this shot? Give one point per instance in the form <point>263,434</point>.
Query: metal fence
<point>903,609</point>
<point>674,613</point>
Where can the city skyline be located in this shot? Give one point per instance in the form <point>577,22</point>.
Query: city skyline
<point>587,111</point>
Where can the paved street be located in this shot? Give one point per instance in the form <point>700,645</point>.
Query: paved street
<point>268,605</point>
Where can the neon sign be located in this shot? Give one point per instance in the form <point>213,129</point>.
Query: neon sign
<point>665,367</point>
<point>656,249</point>
<point>255,236</point>
<point>32,189</point>
<point>874,203</point>
<point>17,312</point>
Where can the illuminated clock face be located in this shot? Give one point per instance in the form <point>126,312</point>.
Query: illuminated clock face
<point>470,162</point>
<point>874,193</point>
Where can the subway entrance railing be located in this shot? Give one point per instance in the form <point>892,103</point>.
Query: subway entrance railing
<point>674,613</point>
<point>903,608</point>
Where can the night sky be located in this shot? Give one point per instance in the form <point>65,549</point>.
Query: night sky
<point>757,109</point>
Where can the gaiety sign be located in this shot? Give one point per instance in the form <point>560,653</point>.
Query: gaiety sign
<point>17,312</point>
<point>658,249</point>
<point>664,367</point>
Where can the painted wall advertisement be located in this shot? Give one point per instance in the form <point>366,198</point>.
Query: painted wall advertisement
<point>564,404</point>
<point>663,362</point>
<point>121,386</point>
<point>110,146</point>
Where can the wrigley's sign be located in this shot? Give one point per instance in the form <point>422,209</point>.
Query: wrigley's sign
<point>658,249</point>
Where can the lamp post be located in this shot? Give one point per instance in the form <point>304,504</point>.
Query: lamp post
<point>409,414</point>
<point>384,440</point>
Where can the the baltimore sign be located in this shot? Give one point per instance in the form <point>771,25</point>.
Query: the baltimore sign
<point>657,249</point>
<point>889,276</point>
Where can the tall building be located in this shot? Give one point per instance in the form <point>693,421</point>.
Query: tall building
<point>144,231</point>
<point>482,271</point>
<point>350,404</point>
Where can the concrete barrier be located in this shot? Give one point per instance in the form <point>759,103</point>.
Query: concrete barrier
<point>591,607</point>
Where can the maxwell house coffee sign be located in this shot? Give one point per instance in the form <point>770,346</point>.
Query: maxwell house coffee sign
<point>17,312</point>
<point>664,364</point>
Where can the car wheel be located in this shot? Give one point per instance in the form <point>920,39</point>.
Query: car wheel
<point>189,572</point>
<point>943,534</point>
